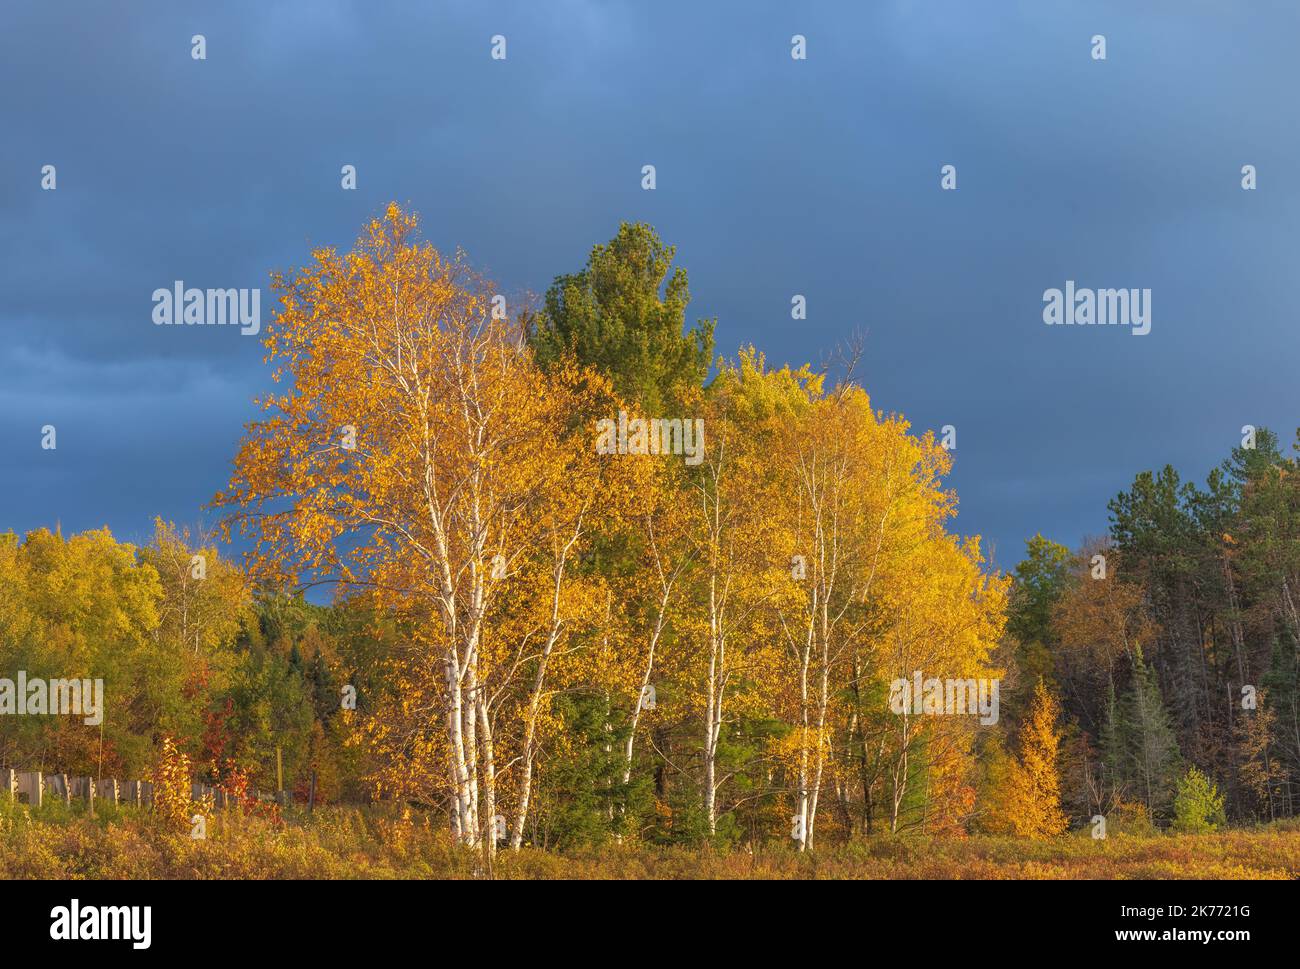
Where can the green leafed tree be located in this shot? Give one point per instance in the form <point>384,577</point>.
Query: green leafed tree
<point>624,313</point>
<point>1198,805</point>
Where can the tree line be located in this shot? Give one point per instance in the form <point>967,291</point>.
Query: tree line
<point>1172,642</point>
<point>550,644</point>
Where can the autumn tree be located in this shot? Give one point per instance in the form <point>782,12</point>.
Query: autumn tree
<point>83,607</point>
<point>205,605</point>
<point>1100,621</point>
<point>409,455</point>
<point>732,526</point>
<point>1038,778</point>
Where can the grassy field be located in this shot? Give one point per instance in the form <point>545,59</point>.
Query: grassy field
<point>348,843</point>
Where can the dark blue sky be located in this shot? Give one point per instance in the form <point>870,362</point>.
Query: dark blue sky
<point>775,177</point>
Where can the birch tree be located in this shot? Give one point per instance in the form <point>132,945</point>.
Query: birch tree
<point>405,454</point>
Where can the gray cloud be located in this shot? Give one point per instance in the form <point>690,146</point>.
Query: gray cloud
<point>775,178</point>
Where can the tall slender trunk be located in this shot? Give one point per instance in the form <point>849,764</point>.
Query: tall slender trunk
<point>801,810</point>
<point>715,690</point>
<point>470,716</point>
<point>899,775</point>
<point>820,760</point>
<point>465,825</point>
<point>629,744</point>
<point>528,752</point>
<point>489,772</point>
<point>712,716</point>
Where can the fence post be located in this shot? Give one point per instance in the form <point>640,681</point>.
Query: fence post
<point>58,787</point>
<point>8,783</point>
<point>85,787</point>
<point>107,790</point>
<point>32,784</point>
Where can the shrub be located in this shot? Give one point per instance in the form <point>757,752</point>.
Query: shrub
<point>1198,805</point>
<point>1130,818</point>
<point>172,787</point>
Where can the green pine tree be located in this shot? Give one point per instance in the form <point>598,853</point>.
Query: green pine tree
<point>625,314</point>
<point>1152,758</point>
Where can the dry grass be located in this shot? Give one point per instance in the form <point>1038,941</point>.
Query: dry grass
<point>347,843</point>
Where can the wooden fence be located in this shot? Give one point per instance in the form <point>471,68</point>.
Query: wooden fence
<point>34,788</point>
